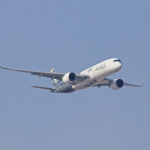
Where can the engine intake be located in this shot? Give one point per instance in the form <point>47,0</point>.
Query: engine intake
<point>72,76</point>
<point>117,84</point>
<point>69,77</point>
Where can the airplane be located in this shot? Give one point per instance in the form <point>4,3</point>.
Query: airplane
<point>94,76</point>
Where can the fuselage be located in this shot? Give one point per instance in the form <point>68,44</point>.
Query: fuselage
<point>96,74</point>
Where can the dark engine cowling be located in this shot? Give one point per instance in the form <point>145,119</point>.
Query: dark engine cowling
<point>117,84</point>
<point>69,77</point>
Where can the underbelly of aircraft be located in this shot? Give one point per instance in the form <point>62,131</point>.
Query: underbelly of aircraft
<point>64,89</point>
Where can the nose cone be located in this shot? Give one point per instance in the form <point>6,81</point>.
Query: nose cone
<point>118,65</point>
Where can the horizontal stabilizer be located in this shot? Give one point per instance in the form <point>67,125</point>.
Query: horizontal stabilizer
<point>44,88</point>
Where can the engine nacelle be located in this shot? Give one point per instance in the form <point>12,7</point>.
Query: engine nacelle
<point>69,77</point>
<point>117,84</point>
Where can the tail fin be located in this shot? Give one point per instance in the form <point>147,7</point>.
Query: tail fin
<point>55,81</point>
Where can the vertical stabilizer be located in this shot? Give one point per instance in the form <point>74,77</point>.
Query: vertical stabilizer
<point>55,81</point>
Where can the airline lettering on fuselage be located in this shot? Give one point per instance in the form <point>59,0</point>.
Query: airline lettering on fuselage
<point>90,84</point>
<point>88,70</point>
<point>100,67</point>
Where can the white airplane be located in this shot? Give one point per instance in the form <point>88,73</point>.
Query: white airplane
<point>91,77</point>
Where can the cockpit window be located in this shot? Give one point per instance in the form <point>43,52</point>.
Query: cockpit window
<point>117,60</point>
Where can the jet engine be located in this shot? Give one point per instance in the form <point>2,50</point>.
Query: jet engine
<point>117,84</point>
<point>69,77</point>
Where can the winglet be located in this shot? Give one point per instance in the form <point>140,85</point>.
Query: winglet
<point>142,84</point>
<point>2,67</point>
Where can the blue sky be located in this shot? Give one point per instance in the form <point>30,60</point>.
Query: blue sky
<point>72,36</point>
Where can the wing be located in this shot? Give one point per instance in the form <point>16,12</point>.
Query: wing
<point>59,76</point>
<point>107,82</point>
<point>126,84</point>
<point>40,74</point>
<point>80,78</point>
<point>104,82</point>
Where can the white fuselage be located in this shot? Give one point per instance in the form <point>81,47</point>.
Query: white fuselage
<point>98,72</point>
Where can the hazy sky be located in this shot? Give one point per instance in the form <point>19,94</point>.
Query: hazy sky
<point>72,36</point>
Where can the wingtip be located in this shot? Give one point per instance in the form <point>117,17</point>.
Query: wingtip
<point>32,86</point>
<point>2,67</point>
<point>142,84</point>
